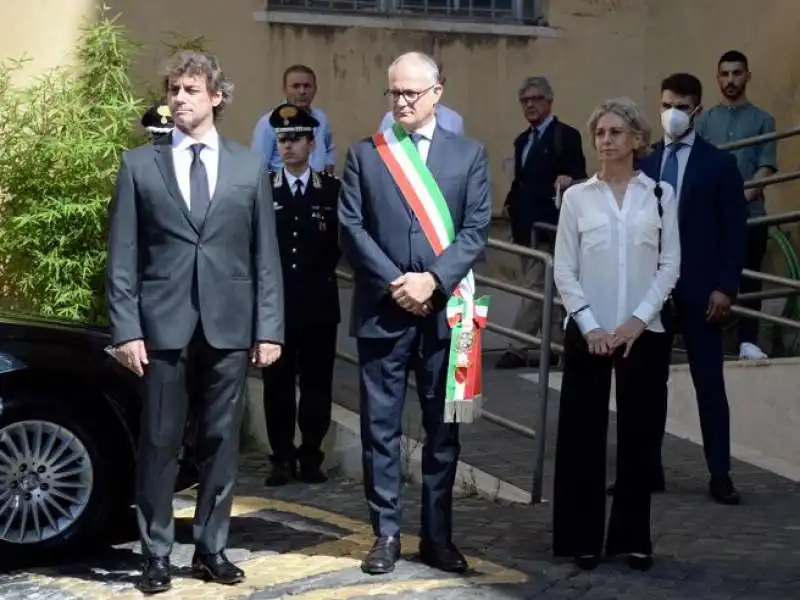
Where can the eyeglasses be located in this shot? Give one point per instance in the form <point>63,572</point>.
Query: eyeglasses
<point>410,96</point>
<point>525,100</point>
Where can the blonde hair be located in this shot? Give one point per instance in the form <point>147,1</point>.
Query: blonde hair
<point>627,110</point>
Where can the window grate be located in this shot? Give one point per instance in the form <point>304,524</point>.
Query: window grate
<point>475,10</point>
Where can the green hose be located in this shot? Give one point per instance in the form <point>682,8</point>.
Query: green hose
<point>791,309</point>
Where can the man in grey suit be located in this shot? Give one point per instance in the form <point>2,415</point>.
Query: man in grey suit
<point>194,284</point>
<point>403,281</point>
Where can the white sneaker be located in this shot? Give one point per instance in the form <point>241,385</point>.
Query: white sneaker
<point>748,351</point>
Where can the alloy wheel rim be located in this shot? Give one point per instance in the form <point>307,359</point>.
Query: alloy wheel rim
<point>46,480</point>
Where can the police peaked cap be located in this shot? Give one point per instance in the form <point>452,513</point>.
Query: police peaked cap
<point>158,119</point>
<point>289,119</point>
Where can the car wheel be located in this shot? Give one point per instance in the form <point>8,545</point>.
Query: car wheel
<point>56,481</point>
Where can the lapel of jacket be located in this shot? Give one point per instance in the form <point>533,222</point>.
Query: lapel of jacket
<point>690,175</point>
<point>163,155</point>
<point>224,175</point>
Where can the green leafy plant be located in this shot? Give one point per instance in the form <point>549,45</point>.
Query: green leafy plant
<point>60,142</point>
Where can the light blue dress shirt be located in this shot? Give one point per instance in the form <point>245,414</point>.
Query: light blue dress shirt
<point>324,154</point>
<point>447,119</point>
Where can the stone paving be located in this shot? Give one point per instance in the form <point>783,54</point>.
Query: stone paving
<point>305,542</point>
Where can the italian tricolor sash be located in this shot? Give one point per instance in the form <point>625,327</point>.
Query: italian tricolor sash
<point>466,315</point>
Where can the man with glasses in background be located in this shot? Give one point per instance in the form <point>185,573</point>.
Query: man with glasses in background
<point>548,158</point>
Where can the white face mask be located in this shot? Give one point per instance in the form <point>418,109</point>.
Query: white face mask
<point>676,122</point>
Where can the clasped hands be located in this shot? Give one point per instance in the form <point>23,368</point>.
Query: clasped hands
<point>605,343</point>
<point>413,292</point>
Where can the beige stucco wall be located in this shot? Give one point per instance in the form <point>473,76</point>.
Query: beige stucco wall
<point>609,47</point>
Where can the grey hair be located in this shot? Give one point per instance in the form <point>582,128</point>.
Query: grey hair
<point>540,83</point>
<point>627,110</point>
<point>201,64</point>
<point>421,59</point>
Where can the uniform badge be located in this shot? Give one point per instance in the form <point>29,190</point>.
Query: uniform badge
<point>286,113</point>
<point>316,181</point>
<point>165,113</point>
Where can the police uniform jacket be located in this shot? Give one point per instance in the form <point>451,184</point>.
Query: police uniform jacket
<point>308,238</point>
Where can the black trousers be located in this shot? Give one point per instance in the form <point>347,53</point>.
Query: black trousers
<point>754,254</point>
<point>306,362</point>
<point>579,499</point>
<point>218,389</point>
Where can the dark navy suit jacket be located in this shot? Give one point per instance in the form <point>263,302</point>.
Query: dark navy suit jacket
<point>712,216</point>
<point>381,239</point>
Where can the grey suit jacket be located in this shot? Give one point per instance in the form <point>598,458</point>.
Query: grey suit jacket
<point>166,274</point>
<point>382,239</point>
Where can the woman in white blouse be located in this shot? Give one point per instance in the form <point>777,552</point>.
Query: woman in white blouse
<point>617,258</point>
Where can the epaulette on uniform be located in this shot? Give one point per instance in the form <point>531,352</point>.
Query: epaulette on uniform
<point>277,178</point>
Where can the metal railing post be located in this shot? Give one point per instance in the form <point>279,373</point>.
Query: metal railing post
<point>544,384</point>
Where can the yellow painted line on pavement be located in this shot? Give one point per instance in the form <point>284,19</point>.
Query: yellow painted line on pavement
<point>265,572</point>
<point>388,588</point>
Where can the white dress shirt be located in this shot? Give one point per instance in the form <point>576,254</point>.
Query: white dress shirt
<point>425,134</point>
<point>182,156</point>
<point>607,257</point>
<point>682,155</point>
<point>291,180</point>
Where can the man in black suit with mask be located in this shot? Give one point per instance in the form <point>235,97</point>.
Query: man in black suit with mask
<point>194,284</point>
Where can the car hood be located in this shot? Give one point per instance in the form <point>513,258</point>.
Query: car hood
<point>52,343</point>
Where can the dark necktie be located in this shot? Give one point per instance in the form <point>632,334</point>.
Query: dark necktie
<point>298,189</point>
<point>199,195</point>
<point>670,171</point>
<point>533,138</point>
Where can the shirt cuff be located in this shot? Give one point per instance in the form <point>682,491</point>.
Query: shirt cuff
<point>585,321</point>
<point>645,312</point>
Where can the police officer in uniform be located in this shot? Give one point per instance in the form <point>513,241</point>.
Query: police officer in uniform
<point>157,120</point>
<point>306,215</point>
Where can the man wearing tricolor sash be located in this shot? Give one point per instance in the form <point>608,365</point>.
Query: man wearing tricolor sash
<point>415,211</point>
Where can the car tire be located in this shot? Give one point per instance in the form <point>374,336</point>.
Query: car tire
<point>92,510</point>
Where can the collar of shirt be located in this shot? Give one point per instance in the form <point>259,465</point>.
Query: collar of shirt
<point>426,131</point>
<point>181,141</point>
<point>542,127</point>
<point>639,178</point>
<point>290,179</point>
<point>687,140</point>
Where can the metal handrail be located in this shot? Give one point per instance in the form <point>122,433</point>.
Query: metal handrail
<point>760,139</point>
<point>772,180</point>
<point>780,219</point>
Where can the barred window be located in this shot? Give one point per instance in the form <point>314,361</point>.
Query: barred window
<point>513,11</point>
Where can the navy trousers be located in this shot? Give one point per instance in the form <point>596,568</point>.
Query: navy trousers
<point>385,364</point>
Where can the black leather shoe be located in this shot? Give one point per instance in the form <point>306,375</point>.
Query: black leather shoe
<point>640,562</point>
<point>511,360</point>
<point>587,562</point>
<point>155,576</point>
<point>722,490</point>
<point>216,568</point>
<point>382,557</point>
<point>445,558</point>
<point>282,473</point>
<point>312,474</point>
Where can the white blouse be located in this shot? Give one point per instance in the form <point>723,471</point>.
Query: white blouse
<point>607,257</point>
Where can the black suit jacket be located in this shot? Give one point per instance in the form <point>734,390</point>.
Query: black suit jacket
<point>308,237</point>
<point>382,239</point>
<point>530,198</point>
<point>166,274</point>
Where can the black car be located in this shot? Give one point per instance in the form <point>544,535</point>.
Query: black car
<point>69,422</point>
